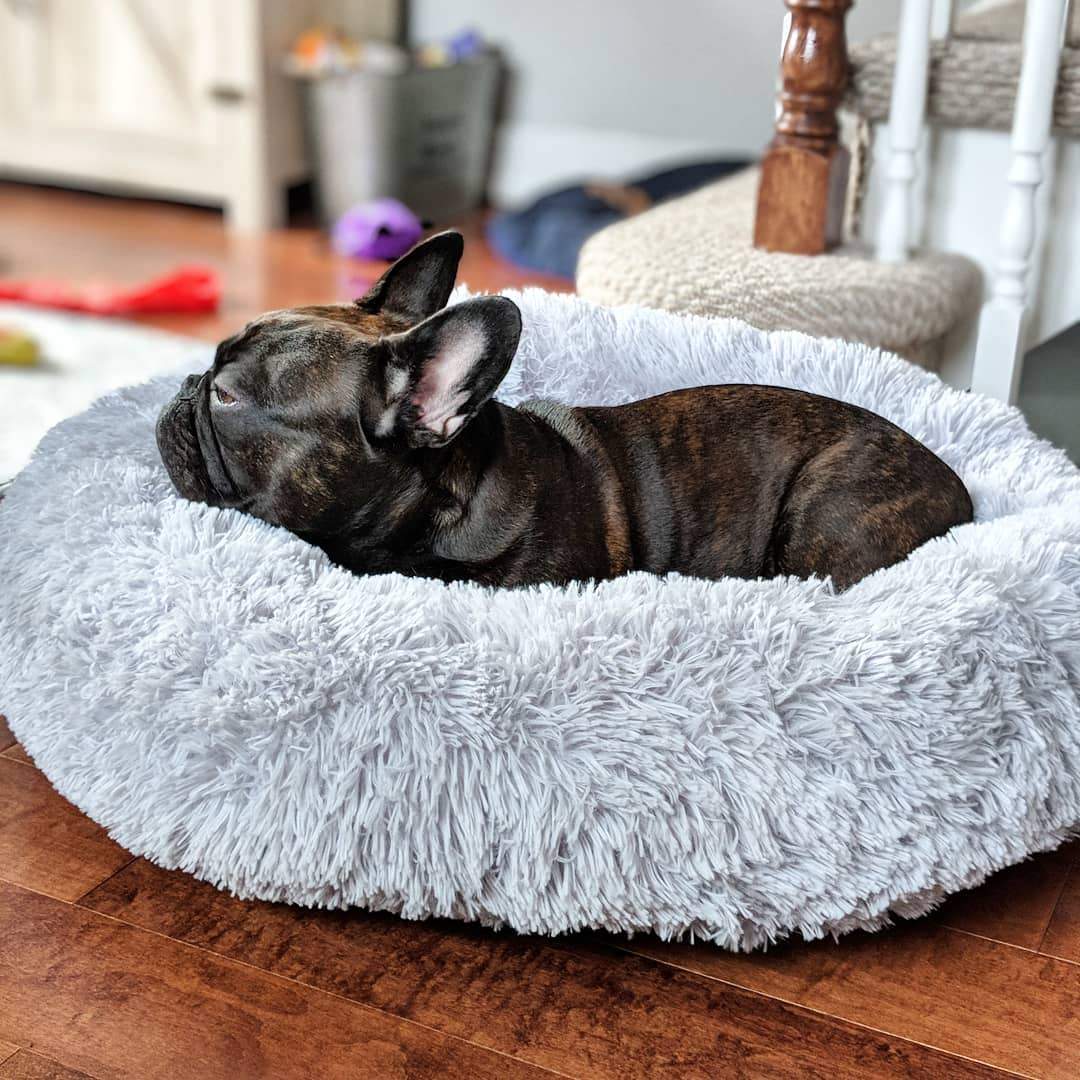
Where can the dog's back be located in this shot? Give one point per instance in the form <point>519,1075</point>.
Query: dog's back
<point>757,480</point>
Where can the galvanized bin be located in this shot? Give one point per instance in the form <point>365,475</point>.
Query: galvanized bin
<point>422,136</point>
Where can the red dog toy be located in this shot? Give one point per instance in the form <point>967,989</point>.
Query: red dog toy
<point>186,289</point>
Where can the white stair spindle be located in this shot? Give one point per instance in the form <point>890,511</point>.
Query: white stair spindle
<point>907,112</point>
<point>1002,324</point>
<point>941,21</point>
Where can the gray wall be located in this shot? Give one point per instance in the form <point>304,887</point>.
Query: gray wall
<point>608,87</point>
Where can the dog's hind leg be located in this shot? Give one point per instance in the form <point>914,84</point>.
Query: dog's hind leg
<point>857,509</point>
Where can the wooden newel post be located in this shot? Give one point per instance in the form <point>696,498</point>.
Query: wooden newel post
<point>804,175</point>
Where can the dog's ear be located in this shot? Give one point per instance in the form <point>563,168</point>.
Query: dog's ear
<point>420,282</point>
<point>439,374</point>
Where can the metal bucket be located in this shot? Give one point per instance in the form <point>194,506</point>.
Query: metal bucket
<point>422,136</point>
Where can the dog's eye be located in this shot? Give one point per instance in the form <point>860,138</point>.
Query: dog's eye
<point>223,396</point>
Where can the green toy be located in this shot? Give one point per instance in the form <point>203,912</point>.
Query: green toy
<point>18,348</point>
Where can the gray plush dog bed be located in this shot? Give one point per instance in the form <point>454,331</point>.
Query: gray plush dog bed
<point>734,759</point>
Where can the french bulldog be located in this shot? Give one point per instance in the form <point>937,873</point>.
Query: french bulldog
<point>370,430</point>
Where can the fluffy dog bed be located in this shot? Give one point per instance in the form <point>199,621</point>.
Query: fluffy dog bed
<point>736,760</point>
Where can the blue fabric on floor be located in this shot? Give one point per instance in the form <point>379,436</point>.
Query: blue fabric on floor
<point>548,235</point>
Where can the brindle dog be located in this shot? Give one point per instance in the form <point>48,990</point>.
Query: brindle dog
<point>370,430</point>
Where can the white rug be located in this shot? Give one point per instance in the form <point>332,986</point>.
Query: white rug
<point>736,760</point>
<point>83,358</point>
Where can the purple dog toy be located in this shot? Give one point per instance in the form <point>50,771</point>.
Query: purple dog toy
<point>380,229</point>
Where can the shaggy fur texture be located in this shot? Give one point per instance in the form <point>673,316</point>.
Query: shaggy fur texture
<point>735,760</point>
<point>81,360</point>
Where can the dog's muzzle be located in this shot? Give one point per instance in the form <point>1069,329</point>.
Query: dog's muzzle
<point>188,447</point>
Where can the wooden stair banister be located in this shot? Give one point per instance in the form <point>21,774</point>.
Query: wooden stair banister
<point>804,174</point>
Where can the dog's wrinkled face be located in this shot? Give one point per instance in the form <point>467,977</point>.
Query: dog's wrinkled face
<point>311,415</point>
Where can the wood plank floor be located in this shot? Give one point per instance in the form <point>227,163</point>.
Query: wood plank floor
<point>24,1065</point>
<point>149,973</point>
<point>113,968</point>
<point>80,238</point>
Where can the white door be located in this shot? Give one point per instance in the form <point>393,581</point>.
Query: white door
<point>118,91</point>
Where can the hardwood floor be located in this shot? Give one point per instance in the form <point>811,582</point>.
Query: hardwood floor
<point>113,968</point>
<point>80,238</point>
<point>578,1006</point>
<point>45,843</point>
<point>148,973</point>
<point>24,1065</point>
